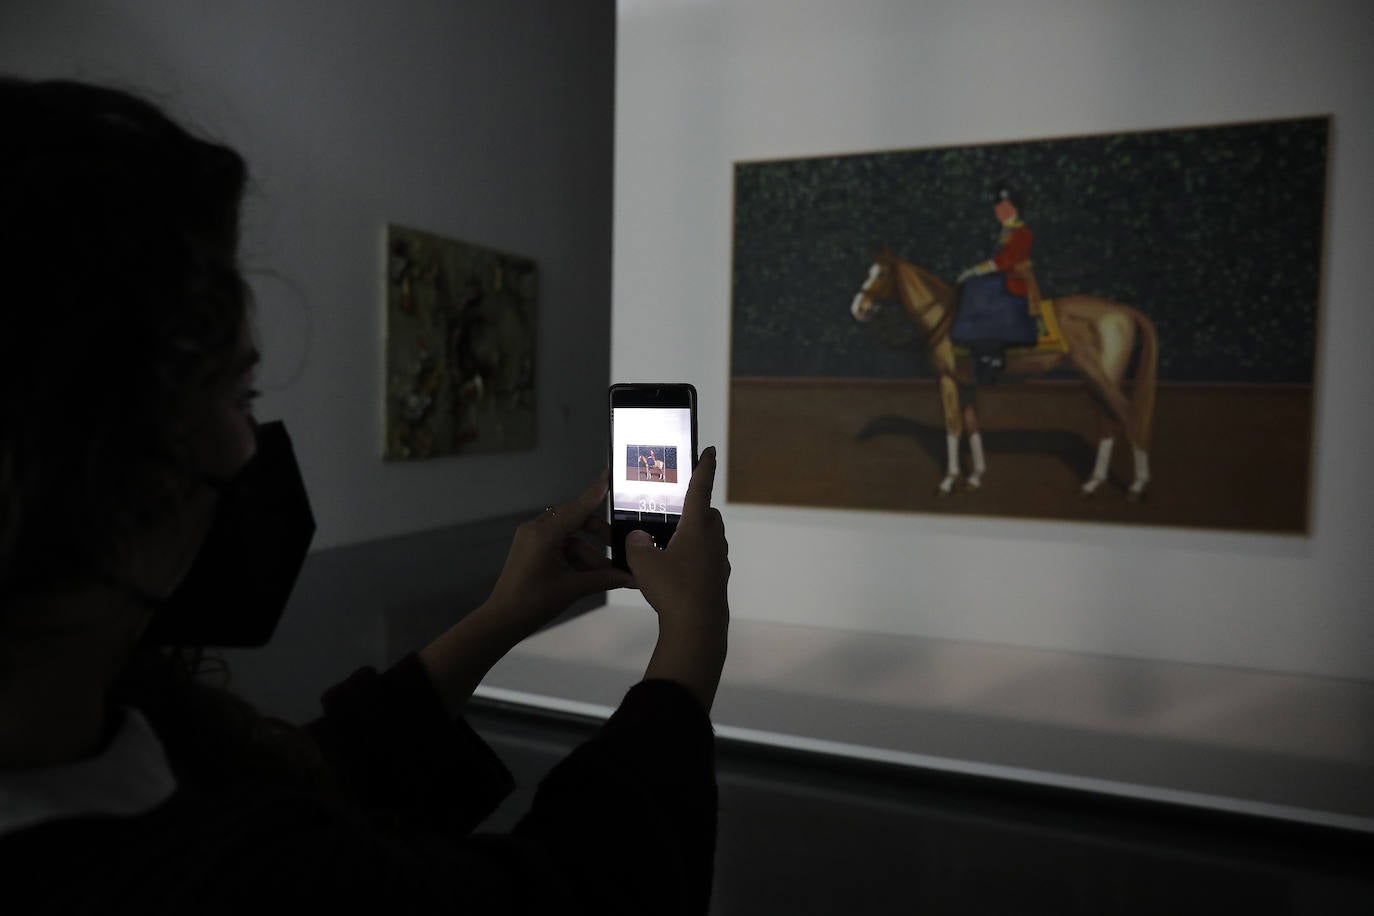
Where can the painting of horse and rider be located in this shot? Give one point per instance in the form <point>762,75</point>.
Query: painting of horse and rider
<point>651,463</point>
<point>1115,328</point>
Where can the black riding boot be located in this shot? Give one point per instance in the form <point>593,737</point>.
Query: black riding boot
<point>988,361</point>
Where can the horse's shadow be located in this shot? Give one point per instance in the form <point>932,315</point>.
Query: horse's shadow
<point>1073,450</point>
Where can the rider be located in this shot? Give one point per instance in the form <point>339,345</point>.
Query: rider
<point>993,309</point>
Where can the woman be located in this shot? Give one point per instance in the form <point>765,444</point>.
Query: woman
<point>128,449</point>
<point>994,312</point>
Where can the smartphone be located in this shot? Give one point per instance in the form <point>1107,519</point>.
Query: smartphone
<point>653,452</point>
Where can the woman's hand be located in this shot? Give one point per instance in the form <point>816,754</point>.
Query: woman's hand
<point>686,584</point>
<point>555,559</point>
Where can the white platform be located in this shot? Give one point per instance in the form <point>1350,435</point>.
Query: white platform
<point>1296,748</point>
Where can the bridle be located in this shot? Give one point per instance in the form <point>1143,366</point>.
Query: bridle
<point>866,301</point>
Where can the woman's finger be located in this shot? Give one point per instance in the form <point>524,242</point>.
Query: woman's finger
<point>588,560</point>
<point>572,515</point>
<point>698,498</point>
<point>605,579</point>
<point>592,497</point>
<point>584,555</point>
<point>598,528</point>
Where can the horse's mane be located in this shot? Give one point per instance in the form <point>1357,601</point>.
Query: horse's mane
<point>942,290</point>
<point>926,276</point>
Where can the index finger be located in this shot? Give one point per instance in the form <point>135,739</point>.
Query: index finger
<point>572,515</point>
<point>698,498</point>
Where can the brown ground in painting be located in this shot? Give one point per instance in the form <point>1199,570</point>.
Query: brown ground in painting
<point>633,472</point>
<point>1231,457</point>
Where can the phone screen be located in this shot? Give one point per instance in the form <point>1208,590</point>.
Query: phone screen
<point>651,452</point>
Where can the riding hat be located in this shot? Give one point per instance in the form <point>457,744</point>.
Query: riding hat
<point>1003,191</point>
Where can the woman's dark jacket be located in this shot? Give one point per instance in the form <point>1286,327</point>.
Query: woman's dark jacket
<point>625,824</point>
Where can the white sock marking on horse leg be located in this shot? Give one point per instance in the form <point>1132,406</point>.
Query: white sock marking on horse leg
<point>952,464</point>
<point>975,444</point>
<point>1104,463</point>
<point>1142,471</point>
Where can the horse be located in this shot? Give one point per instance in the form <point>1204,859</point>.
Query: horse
<point>1100,337</point>
<point>652,464</point>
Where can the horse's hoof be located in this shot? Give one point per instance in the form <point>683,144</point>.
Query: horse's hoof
<point>1090,488</point>
<point>946,487</point>
<point>973,485</point>
<point>1135,496</point>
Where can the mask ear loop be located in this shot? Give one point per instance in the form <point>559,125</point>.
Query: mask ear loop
<point>129,590</point>
<point>221,486</point>
<point>101,577</point>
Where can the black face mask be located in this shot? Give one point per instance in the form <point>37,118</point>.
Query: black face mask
<point>241,579</point>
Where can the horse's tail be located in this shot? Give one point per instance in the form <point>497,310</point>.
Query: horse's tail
<point>1143,395</point>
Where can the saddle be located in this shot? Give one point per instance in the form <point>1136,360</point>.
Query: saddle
<point>1049,339</point>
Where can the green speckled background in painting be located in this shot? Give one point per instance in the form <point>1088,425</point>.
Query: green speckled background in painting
<point>1214,233</point>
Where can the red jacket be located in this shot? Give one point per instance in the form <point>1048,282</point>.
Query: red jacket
<point>1016,247</point>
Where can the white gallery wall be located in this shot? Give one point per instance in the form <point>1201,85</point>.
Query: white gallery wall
<point>703,84</point>
<point>481,120</point>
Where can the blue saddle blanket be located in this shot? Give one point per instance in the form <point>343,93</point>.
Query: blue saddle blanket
<point>989,314</point>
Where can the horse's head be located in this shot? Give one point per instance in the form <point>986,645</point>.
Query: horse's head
<point>927,299</point>
<point>876,288</point>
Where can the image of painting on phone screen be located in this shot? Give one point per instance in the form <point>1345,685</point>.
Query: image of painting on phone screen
<point>656,443</point>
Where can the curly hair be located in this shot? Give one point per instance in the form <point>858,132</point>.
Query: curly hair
<point>122,301</point>
<point>123,304</point>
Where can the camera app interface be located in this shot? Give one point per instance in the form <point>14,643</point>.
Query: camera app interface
<point>647,481</point>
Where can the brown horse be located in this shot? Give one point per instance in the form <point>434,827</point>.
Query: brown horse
<point>1100,337</point>
<point>652,465</point>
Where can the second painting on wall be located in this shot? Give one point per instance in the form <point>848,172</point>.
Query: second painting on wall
<point>460,326</point>
<point>1119,327</point>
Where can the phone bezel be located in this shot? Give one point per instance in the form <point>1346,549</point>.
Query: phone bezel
<point>644,394</point>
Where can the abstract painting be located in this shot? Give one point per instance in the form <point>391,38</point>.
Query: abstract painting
<point>460,332</point>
